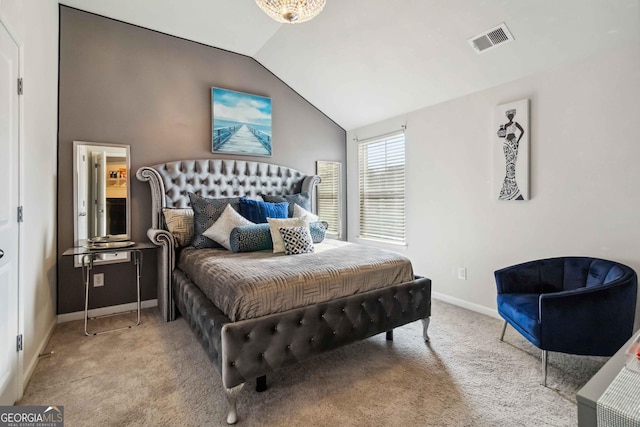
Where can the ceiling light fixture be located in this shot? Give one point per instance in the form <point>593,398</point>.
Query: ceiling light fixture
<point>291,11</point>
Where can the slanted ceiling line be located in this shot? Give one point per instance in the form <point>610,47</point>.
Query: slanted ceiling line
<point>212,47</point>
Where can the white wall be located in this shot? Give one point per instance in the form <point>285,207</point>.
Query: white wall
<point>584,175</point>
<point>35,22</point>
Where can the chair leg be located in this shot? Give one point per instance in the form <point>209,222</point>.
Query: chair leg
<point>544,368</point>
<point>504,328</point>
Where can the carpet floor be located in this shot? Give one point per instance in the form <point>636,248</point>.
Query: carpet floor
<point>158,375</point>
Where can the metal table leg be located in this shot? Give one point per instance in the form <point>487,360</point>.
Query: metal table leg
<point>87,265</point>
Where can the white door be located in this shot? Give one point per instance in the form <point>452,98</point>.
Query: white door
<point>100,193</point>
<point>9,160</point>
<point>83,196</point>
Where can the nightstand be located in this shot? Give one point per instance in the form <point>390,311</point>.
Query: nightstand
<point>88,256</point>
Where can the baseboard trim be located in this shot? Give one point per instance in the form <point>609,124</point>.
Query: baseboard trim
<point>31,367</point>
<point>79,315</point>
<point>466,304</point>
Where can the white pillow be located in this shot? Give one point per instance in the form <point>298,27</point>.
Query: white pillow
<point>274,227</point>
<point>299,211</point>
<point>220,231</point>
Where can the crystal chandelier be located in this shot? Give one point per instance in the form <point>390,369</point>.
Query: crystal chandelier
<point>291,11</point>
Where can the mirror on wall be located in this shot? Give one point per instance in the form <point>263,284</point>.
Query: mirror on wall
<point>101,192</point>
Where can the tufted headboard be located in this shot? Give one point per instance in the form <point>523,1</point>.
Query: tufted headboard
<point>171,182</point>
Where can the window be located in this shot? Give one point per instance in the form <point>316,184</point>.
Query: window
<point>329,197</point>
<point>382,188</point>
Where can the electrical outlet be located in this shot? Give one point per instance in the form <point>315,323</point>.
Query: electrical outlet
<point>98,280</point>
<point>462,273</point>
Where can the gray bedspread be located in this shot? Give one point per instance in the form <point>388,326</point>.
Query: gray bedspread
<point>253,284</point>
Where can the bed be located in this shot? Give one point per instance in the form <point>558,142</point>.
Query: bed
<point>246,344</point>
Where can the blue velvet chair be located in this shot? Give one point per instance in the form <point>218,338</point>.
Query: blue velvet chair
<point>573,305</point>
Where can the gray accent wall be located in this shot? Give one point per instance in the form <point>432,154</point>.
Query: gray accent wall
<point>120,83</point>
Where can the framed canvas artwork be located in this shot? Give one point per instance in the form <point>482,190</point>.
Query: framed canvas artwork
<point>511,151</point>
<point>241,123</point>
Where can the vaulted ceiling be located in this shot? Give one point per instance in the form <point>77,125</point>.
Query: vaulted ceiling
<point>361,61</point>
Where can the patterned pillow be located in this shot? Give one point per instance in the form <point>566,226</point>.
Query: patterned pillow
<point>274,228</point>
<point>250,238</point>
<point>299,211</point>
<point>258,212</point>
<point>220,231</point>
<point>179,222</point>
<point>296,240</point>
<point>205,213</point>
<point>302,199</point>
<point>318,231</point>
<point>257,237</point>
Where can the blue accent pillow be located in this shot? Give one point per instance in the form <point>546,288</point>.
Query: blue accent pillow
<point>302,199</point>
<point>258,212</point>
<point>205,213</point>
<point>257,237</point>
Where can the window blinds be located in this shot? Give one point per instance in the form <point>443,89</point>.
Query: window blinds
<point>329,195</point>
<point>382,188</point>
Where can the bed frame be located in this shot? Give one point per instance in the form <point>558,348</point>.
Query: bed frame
<point>249,349</point>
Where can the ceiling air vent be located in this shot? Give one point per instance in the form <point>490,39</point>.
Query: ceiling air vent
<point>494,37</point>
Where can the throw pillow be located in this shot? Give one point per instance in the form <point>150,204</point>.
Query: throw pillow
<point>296,240</point>
<point>299,211</point>
<point>258,212</point>
<point>318,231</point>
<point>220,231</point>
<point>302,199</point>
<point>251,238</point>
<point>205,213</point>
<point>179,222</point>
<point>276,223</point>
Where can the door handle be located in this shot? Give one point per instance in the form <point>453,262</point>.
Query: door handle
<point>1,253</point>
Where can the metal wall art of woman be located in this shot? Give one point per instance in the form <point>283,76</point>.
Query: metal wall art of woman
<point>512,133</point>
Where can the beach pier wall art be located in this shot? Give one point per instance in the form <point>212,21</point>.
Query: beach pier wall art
<point>241,123</point>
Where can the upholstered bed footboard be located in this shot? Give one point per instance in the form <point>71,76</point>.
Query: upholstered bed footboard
<point>248,349</point>
<point>254,347</point>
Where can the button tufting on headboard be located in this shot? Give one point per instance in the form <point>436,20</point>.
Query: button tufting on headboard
<point>225,178</point>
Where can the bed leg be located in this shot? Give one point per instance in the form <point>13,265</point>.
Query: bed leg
<point>232,397</point>
<point>261,384</point>
<point>425,326</point>
<point>390,335</point>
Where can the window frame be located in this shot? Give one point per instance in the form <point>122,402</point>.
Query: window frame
<point>337,190</point>
<point>399,236</point>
